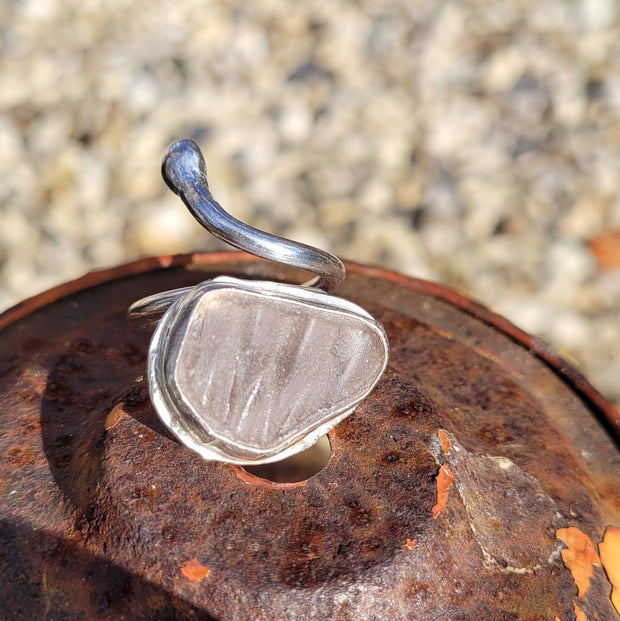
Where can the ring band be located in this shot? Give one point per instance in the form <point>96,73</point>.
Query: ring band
<point>247,371</point>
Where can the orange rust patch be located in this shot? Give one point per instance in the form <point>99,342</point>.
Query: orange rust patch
<point>579,556</point>
<point>114,416</point>
<point>444,481</point>
<point>444,333</point>
<point>580,615</point>
<point>445,441</point>
<point>194,571</point>
<point>410,544</point>
<point>609,549</point>
<point>20,455</point>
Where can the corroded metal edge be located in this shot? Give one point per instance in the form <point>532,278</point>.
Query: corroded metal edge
<point>97,277</point>
<point>607,414</point>
<point>573,377</point>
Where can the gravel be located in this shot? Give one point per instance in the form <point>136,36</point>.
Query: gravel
<point>473,143</point>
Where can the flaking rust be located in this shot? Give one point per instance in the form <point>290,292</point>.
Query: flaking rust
<point>444,482</point>
<point>609,550</point>
<point>105,516</point>
<point>195,571</point>
<point>579,556</point>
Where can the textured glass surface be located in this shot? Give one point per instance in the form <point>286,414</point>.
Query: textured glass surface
<point>259,370</point>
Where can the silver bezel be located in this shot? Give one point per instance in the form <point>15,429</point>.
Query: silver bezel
<point>179,416</point>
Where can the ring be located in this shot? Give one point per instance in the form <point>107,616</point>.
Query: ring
<point>251,372</point>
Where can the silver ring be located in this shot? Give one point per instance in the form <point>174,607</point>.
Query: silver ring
<point>185,172</point>
<point>250,372</point>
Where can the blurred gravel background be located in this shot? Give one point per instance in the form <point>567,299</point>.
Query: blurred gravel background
<point>472,142</point>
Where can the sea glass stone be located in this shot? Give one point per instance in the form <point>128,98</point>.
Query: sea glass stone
<point>256,369</point>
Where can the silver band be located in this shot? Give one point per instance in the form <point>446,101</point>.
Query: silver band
<point>146,312</point>
<point>185,172</point>
<point>250,372</point>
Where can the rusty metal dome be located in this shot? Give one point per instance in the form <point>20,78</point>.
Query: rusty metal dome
<point>445,495</point>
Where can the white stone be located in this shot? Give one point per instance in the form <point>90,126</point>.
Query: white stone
<point>259,371</point>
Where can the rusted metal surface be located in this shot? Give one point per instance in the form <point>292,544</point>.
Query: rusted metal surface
<point>101,509</point>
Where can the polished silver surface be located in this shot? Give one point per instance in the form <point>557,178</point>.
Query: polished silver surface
<point>146,312</point>
<point>250,372</point>
<point>185,172</point>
